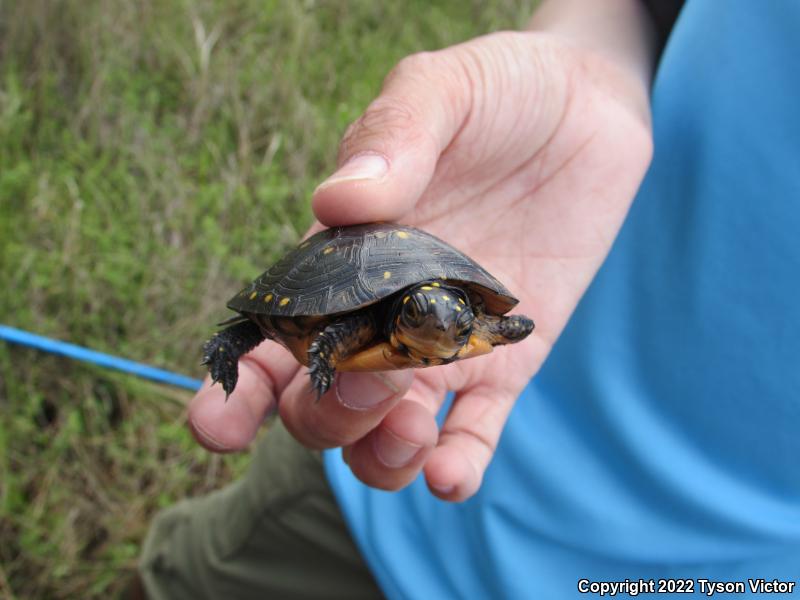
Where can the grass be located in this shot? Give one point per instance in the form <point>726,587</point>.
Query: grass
<point>154,156</point>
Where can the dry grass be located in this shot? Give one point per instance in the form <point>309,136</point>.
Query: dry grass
<point>154,156</point>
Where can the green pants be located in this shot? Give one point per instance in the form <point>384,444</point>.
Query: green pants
<point>277,533</point>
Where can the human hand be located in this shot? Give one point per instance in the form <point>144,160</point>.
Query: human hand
<point>523,151</point>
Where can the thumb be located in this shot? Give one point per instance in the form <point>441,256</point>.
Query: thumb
<point>388,156</point>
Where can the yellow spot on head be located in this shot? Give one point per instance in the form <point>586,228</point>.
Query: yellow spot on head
<point>436,284</point>
<point>253,295</point>
<point>462,302</point>
<point>284,302</point>
<point>402,235</point>
<point>268,297</point>
<point>427,288</point>
<point>328,250</point>
<point>406,299</point>
<point>387,274</point>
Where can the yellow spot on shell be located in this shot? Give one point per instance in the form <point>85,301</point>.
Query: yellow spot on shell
<point>387,274</point>
<point>304,244</point>
<point>462,302</point>
<point>433,300</point>
<point>328,250</point>
<point>406,299</point>
<point>268,297</point>
<point>427,288</point>
<point>458,309</point>
<point>284,302</point>
<point>253,295</point>
<point>380,234</point>
<point>445,298</point>
<point>436,284</point>
<point>402,235</point>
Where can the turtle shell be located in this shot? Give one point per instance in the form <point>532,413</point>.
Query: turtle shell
<point>346,268</point>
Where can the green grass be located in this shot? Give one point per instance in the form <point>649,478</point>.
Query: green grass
<point>154,156</point>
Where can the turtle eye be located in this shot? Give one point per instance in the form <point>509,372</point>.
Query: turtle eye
<point>464,322</point>
<point>411,311</point>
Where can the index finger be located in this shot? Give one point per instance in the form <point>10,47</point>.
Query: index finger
<point>356,403</point>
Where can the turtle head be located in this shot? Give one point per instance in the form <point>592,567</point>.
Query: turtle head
<point>432,321</point>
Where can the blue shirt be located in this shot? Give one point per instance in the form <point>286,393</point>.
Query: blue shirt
<point>661,439</point>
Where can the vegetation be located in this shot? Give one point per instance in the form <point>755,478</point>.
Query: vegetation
<point>153,157</point>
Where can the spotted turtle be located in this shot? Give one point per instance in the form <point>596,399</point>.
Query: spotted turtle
<point>369,297</point>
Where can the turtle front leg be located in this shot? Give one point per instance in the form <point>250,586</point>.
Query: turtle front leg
<point>340,339</point>
<point>222,352</point>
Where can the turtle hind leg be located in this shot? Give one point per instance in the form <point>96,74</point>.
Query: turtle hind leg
<point>222,352</point>
<point>505,330</point>
<point>515,328</point>
<point>340,339</point>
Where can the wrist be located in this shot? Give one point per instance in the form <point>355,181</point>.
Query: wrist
<point>620,33</point>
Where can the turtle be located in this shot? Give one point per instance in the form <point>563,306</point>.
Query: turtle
<point>370,297</point>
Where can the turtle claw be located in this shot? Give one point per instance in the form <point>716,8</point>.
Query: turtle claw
<point>333,344</point>
<point>222,369</point>
<point>221,353</point>
<point>321,374</point>
<point>320,364</point>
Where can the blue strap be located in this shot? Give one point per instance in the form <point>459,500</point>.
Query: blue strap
<point>25,338</point>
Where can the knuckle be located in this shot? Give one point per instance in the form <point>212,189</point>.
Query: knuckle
<point>325,431</point>
<point>387,114</point>
<point>381,479</point>
<point>414,65</point>
<point>384,121</point>
<point>392,115</point>
<point>331,427</point>
<point>303,425</point>
<point>386,485</point>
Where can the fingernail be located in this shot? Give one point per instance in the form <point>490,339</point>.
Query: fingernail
<point>393,451</point>
<point>209,440</point>
<point>362,166</point>
<point>361,391</point>
<point>444,489</point>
